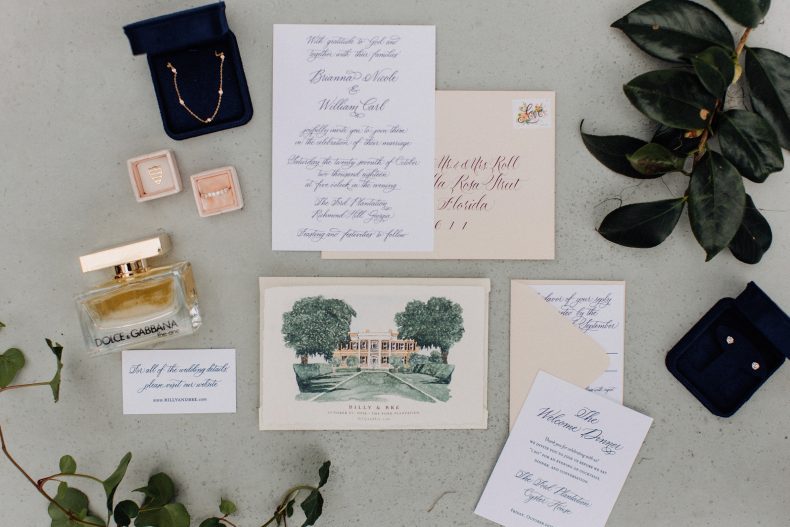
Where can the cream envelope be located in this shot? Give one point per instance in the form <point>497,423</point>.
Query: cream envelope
<point>542,339</point>
<point>493,178</point>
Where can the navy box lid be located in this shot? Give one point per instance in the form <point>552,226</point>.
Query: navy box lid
<point>732,351</point>
<point>178,30</point>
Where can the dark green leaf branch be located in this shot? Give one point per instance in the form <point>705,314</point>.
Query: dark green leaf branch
<point>688,105</point>
<point>70,506</point>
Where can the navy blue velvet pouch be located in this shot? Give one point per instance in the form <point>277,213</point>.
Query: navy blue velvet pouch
<point>191,40</point>
<point>725,358</point>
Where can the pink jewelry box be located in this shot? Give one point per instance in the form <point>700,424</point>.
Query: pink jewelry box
<point>154,175</point>
<point>217,191</point>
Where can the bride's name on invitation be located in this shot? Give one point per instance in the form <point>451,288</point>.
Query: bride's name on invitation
<point>353,117</point>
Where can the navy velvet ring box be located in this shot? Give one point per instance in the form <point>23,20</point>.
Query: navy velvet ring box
<point>732,350</point>
<point>209,76</point>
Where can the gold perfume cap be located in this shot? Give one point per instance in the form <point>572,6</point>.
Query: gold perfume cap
<point>127,253</point>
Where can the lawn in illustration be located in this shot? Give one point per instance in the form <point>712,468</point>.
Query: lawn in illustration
<point>336,363</point>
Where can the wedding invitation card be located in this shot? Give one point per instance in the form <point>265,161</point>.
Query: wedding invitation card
<point>353,137</point>
<point>493,178</point>
<point>566,459</point>
<point>188,381</point>
<point>373,353</point>
<point>596,309</point>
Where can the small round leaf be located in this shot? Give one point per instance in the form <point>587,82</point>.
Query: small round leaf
<point>226,507</point>
<point>10,363</point>
<point>68,465</point>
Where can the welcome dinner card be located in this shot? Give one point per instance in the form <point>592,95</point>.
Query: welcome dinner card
<point>373,353</point>
<point>187,381</point>
<point>353,137</point>
<point>566,460</point>
<point>493,178</point>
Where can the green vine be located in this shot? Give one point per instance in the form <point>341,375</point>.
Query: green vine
<point>70,507</point>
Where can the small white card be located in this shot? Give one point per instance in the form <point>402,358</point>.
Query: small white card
<point>566,459</point>
<point>597,309</point>
<point>353,126</point>
<point>194,381</point>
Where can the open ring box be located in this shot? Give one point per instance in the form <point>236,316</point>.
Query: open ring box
<point>732,350</point>
<point>192,42</point>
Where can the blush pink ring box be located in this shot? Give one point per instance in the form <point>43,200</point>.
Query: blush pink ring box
<point>217,191</point>
<point>154,175</point>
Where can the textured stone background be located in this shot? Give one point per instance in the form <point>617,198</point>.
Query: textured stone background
<point>75,105</point>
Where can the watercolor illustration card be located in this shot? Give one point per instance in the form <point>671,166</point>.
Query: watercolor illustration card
<point>493,178</point>
<point>353,137</point>
<point>566,459</point>
<point>373,353</point>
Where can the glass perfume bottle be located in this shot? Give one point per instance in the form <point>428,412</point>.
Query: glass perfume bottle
<point>141,305</point>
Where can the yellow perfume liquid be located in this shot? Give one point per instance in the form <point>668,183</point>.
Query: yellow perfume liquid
<point>141,305</point>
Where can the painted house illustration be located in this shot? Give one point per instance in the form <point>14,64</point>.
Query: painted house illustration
<point>374,349</point>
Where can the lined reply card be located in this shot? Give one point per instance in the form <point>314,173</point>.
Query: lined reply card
<point>179,381</point>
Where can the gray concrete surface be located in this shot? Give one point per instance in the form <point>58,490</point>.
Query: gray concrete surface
<point>75,105</point>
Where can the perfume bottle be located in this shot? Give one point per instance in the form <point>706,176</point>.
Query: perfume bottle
<point>141,305</point>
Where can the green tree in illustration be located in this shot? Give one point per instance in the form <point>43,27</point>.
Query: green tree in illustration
<point>437,323</point>
<point>316,326</point>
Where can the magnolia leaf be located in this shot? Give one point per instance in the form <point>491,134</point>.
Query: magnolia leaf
<point>716,203</point>
<point>715,68</point>
<point>226,507</point>
<point>754,236</point>
<point>111,483</point>
<point>654,160</point>
<point>54,384</point>
<point>323,473</point>
<point>11,362</point>
<point>611,151</point>
<point>674,30</point>
<point>674,98</point>
<point>211,522</point>
<point>768,73</point>
<point>67,465</point>
<point>749,143</point>
<point>124,512</point>
<point>747,13</point>
<point>312,506</point>
<point>159,492</point>
<point>642,225</point>
<point>674,140</point>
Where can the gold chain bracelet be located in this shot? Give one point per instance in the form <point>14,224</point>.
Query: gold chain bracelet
<point>207,120</point>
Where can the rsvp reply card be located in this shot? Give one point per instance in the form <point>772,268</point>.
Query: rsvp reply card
<point>566,459</point>
<point>198,381</point>
<point>493,178</point>
<point>353,137</point>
